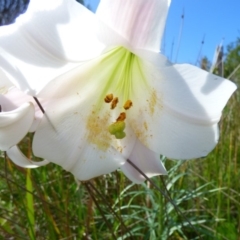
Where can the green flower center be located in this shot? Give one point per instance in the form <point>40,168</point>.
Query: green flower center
<point>117,129</point>
<point>120,73</point>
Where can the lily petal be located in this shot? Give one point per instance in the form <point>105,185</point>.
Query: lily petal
<point>13,98</point>
<point>207,93</point>
<point>146,160</point>
<point>62,29</point>
<point>65,142</point>
<point>18,57</point>
<point>14,125</point>
<point>141,22</point>
<point>21,160</point>
<point>48,43</point>
<point>179,117</point>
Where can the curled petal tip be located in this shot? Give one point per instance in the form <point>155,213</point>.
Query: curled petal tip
<point>21,160</point>
<point>15,124</point>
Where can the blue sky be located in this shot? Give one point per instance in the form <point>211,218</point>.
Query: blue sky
<point>213,20</point>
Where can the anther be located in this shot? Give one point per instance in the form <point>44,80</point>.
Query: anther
<point>127,104</point>
<point>108,98</point>
<point>114,103</point>
<point>121,117</point>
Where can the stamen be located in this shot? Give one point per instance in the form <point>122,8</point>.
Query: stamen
<point>43,111</point>
<point>127,104</point>
<point>108,98</point>
<point>39,104</point>
<point>121,117</point>
<point>114,103</point>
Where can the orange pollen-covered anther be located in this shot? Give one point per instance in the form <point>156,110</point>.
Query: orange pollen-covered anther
<point>114,103</point>
<point>121,117</point>
<point>127,104</point>
<point>108,98</point>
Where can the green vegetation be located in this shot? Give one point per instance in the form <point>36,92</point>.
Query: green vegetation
<point>48,203</point>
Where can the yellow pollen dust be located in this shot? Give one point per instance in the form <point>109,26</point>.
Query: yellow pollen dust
<point>153,102</point>
<point>114,103</point>
<point>98,130</point>
<point>108,98</point>
<point>127,104</point>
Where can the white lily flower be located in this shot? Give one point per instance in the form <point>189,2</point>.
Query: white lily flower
<point>15,119</point>
<point>111,95</point>
<point>19,115</point>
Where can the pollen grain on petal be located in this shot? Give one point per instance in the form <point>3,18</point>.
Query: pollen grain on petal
<point>142,135</point>
<point>141,130</point>
<point>145,126</point>
<point>120,149</point>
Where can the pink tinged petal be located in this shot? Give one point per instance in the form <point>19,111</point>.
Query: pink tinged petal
<point>21,160</point>
<point>5,83</point>
<point>50,43</point>
<point>179,112</point>
<point>14,125</point>
<point>141,22</point>
<point>146,160</point>
<point>13,98</point>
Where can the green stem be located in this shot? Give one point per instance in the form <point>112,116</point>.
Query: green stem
<point>30,205</point>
